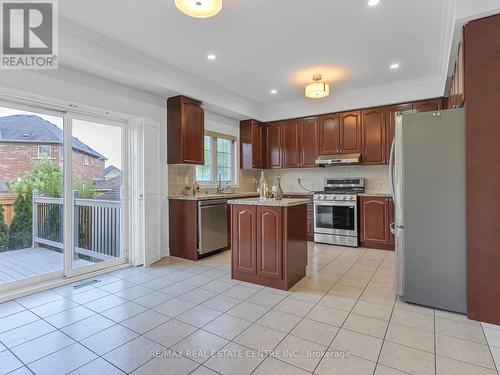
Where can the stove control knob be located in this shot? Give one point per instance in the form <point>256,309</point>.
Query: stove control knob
<point>334,198</point>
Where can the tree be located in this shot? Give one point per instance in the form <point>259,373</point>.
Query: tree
<point>46,177</point>
<point>4,231</point>
<point>20,231</point>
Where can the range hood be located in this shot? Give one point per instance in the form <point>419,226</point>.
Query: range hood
<point>338,159</point>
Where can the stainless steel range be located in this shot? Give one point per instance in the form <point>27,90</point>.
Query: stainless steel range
<point>336,211</point>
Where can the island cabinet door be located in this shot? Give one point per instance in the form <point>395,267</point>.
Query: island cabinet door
<point>269,242</point>
<point>244,242</point>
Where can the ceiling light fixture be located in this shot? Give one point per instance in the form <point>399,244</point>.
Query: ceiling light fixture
<point>199,8</point>
<point>394,66</point>
<point>317,89</point>
<point>211,56</point>
<point>372,3</point>
<point>273,91</point>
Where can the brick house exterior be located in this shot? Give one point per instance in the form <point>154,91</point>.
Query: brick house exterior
<point>25,139</point>
<point>17,159</point>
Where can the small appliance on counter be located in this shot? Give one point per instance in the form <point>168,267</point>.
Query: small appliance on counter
<point>336,211</point>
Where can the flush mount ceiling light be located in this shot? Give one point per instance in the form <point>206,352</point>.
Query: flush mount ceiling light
<point>372,3</point>
<point>317,89</point>
<point>199,8</point>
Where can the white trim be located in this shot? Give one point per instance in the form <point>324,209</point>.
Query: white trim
<point>43,285</point>
<point>43,156</point>
<point>68,204</point>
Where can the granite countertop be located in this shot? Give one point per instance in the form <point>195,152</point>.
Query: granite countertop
<point>203,197</point>
<point>285,202</point>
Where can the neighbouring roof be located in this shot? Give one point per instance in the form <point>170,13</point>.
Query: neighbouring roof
<point>109,189</point>
<point>111,169</point>
<point>34,129</point>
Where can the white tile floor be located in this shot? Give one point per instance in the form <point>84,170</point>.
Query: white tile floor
<point>182,317</point>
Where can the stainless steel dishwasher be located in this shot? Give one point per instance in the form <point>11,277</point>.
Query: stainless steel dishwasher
<point>212,225</point>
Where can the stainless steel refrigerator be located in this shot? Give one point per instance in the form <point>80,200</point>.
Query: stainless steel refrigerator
<point>427,172</point>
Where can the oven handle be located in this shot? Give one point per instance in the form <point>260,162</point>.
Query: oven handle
<point>336,203</point>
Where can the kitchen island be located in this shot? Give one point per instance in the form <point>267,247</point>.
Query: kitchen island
<point>269,241</point>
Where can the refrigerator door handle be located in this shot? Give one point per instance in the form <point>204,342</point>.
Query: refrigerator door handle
<point>392,226</point>
<point>391,171</point>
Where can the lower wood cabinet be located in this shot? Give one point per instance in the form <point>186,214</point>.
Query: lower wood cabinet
<point>376,215</point>
<point>310,213</point>
<point>268,245</point>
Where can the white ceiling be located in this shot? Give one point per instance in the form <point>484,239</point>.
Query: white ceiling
<point>264,44</point>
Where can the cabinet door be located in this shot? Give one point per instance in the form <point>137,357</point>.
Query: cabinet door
<point>328,134</point>
<point>350,132</point>
<point>390,121</point>
<point>309,141</point>
<point>291,146</point>
<point>193,129</point>
<point>274,144</point>
<point>269,242</point>
<point>244,241</point>
<point>374,134</point>
<point>257,149</point>
<point>374,215</point>
<point>428,105</point>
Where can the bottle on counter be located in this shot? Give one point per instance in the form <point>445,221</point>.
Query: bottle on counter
<point>277,190</point>
<point>262,186</point>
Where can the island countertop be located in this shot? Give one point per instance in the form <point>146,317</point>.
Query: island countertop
<point>285,202</point>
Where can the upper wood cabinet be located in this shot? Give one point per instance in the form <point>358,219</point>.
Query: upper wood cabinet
<point>309,141</point>
<point>291,143</point>
<point>350,132</point>
<point>252,143</point>
<point>374,134</point>
<point>390,121</point>
<point>375,218</point>
<point>185,131</point>
<point>274,139</point>
<point>328,134</point>
<point>428,105</point>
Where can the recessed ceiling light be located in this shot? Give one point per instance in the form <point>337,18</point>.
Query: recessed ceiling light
<point>211,56</point>
<point>394,66</point>
<point>273,91</point>
<point>372,3</point>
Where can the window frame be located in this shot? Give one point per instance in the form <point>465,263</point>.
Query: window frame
<point>44,156</point>
<point>213,167</point>
<point>86,160</point>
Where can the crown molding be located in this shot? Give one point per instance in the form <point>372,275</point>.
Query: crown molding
<point>162,78</point>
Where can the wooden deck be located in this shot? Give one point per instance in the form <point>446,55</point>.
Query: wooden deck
<point>23,263</point>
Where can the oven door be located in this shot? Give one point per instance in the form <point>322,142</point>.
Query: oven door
<point>339,218</point>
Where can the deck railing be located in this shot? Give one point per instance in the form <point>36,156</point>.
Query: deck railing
<point>97,225</point>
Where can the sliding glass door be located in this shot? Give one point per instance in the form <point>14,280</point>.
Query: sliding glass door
<point>97,194</point>
<point>61,195</point>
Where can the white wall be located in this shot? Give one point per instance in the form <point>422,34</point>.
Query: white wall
<point>82,89</point>
<point>222,124</point>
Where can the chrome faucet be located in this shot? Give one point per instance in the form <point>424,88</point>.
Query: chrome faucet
<point>220,189</point>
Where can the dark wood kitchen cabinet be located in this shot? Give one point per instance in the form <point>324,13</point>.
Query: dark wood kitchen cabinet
<point>350,132</point>
<point>185,131</point>
<point>183,228</point>
<point>252,145</point>
<point>428,105</point>
<point>390,121</point>
<point>328,134</point>
<point>374,135</point>
<point>308,142</point>
<point>310,213</point>
<point>291,143</point>
<point>269,245</point>
<point>376,214</point>
<point>274,140</point>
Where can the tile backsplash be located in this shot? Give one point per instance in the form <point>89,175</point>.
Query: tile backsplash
<point>180,176</point>
<point>377,178</point>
